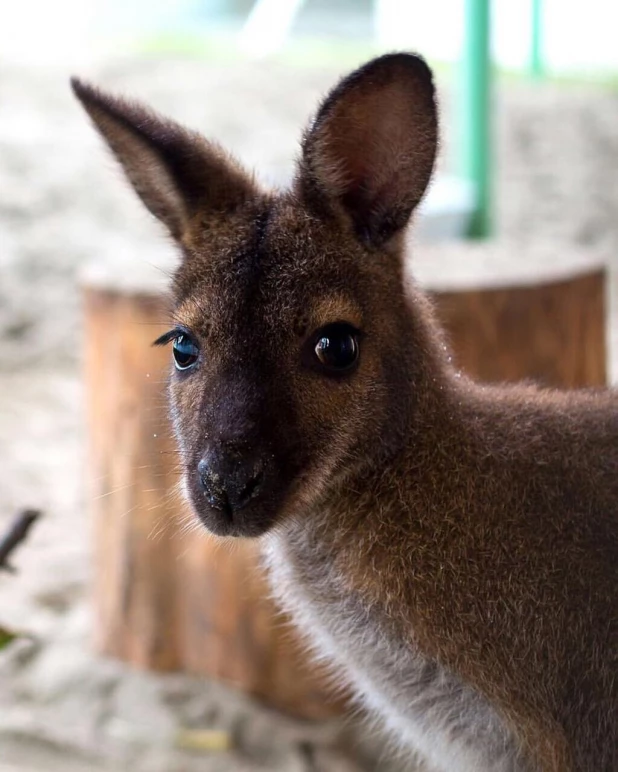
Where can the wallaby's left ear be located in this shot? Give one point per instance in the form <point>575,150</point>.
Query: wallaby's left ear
<point>370,152</point>
<point>177,173</point>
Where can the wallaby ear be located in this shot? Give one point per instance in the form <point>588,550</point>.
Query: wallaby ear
<point>371,148</point>
<point>177,173</point>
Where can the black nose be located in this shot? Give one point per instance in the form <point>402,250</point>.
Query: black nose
<point>230,480</point>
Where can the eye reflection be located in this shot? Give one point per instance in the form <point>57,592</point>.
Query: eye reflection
<point>185,352</point>
<point>336,348</point>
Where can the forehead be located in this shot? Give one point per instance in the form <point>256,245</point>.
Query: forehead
<point>270,262</point>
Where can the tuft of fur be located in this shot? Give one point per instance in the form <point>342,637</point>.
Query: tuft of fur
<point>450,547</point>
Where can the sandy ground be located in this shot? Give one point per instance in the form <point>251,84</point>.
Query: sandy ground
<point>62,206</point>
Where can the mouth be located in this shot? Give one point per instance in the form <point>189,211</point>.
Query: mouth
<point>254,518</point>
<point>233,524</point>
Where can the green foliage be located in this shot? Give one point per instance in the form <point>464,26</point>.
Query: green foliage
<point>6,637</point>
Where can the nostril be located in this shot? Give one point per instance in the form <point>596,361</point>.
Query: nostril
<point>251,488</point>
<point>213,486</point>
<point>227,484</point>
<point>222,503</point>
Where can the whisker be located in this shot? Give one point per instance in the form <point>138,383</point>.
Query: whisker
<point>116,490</point>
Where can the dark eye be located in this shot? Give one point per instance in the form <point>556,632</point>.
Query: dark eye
<point>337,347</point>
<point>185,352</point>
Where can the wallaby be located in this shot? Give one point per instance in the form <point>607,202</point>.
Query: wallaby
<point>450,547</point>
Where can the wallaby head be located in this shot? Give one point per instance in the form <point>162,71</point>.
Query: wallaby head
<point>291,307</point>
<point>464,576</point>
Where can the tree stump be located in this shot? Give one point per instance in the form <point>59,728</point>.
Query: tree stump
<point>169,596</point>
<point>514,314</point>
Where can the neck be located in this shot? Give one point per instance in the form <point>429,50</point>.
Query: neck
<point>424,387</point>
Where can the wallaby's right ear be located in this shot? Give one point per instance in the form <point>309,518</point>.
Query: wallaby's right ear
<point>177,173</point>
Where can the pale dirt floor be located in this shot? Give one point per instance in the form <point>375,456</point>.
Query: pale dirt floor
<point>62,205</point>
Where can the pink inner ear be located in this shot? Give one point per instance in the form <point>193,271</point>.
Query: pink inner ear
<point>367,141</point>
<point>372,148</point>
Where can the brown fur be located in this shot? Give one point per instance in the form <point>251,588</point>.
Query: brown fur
<point>468,531</point>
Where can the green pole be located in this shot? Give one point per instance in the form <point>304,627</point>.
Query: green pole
<point>475,112</point>
<point>536,40</point>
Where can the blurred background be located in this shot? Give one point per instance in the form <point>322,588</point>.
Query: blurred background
<point>527,176</point>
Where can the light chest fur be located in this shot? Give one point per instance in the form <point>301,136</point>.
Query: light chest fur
<point>425,709</point>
